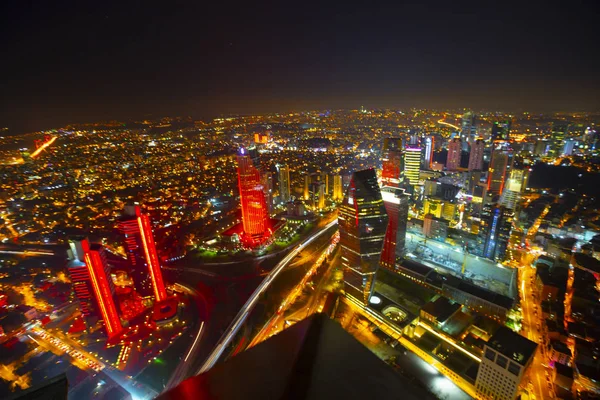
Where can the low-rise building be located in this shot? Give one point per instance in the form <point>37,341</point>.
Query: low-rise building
<point>439,311</point>
<point>560,352</point>
<point>507,355</point>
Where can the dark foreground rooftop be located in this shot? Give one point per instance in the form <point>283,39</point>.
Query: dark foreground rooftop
<point>55,388</point>
<point>314,359</point>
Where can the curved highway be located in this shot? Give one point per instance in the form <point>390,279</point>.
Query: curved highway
<point>241,317</point>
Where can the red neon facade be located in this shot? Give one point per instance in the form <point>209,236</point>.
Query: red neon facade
<point>392,162</point>
<point>142,255</point>
<point>80,278</point>
<point>255,217</point>
<point>101,284</point>
<point>388,252</point>
<point>152,257</point>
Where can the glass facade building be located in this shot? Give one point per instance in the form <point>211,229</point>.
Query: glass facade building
<point>362,222</point>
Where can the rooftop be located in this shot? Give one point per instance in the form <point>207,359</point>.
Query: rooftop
<point>512,345</point>
<point>441,309</point>
<point>313,359</point>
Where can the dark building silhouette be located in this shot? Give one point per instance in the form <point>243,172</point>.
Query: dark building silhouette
<point>314,359</point>
<point>497,223</point>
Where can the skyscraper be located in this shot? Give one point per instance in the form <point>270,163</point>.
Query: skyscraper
<point>321,201</point>
<point>454,153</point>
<point>363,222</point>
<point>267,184</point>
<point>559,131</point>
<point>569,147</point>
<point>468,128</point>
<point>306,191</point>
<point>255,217</point>
<point>80,277</point>
<point>392,172</point>
<point>500,162</point>
<point>476,155</point>
<point>514,188</point>
<point>429,149</point>
<point>325,181</point>
<point>92,257</point>
<point>501,131</point>
<point>338,193</point>
<point>284,183</point>
<point>396,206</point>
<point>412,164</point>
<point>497,224</point>
<point>141,253</point>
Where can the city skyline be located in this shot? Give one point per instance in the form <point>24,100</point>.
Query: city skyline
<point>262,59</point>
<point>198,199</point>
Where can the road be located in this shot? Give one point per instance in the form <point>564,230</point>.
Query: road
<point>183,368</point>
<point>242,315</point>
<point>87,362</point>
<point>415,362</point>
<point>277,322</point>
<point>534,327</point>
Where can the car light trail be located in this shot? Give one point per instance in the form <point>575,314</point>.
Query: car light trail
<point>241,317</point>
<point>441,121</point>
<point>195,342</point>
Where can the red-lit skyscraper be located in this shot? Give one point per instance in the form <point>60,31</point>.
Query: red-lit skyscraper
<point>396,207</point>
<point>255,216</point>
<point>141,252</point>
<point>392,157</point>
<point>394,200</point>
<point>92,283</point>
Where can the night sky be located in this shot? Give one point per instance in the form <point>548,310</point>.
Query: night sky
<point>92,60</point>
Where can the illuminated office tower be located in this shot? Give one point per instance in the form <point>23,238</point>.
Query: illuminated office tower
<point>501,131</point>
<point>559,131</point>
<point>284,183</point>
<point>429,149</point>
<point>338,193</point>
<point>93,258</point>
<point>569,147</point>
<point>496,224</point>
<point>392,172</point>
<point>497,171</point>
<point>454,153</point>
<point>321,200</point>
<point>396,206</point>
<point>306,192</point>
<point>412,164</point>
<point>141,253</point>
<point>476,155</point>
<point>515,185</point>
<point>541,147</point>
<point>362,222</point>
<point>267,184</point>
<point>325,181</point>
<point>255,216</point>
<point>468,130</point>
